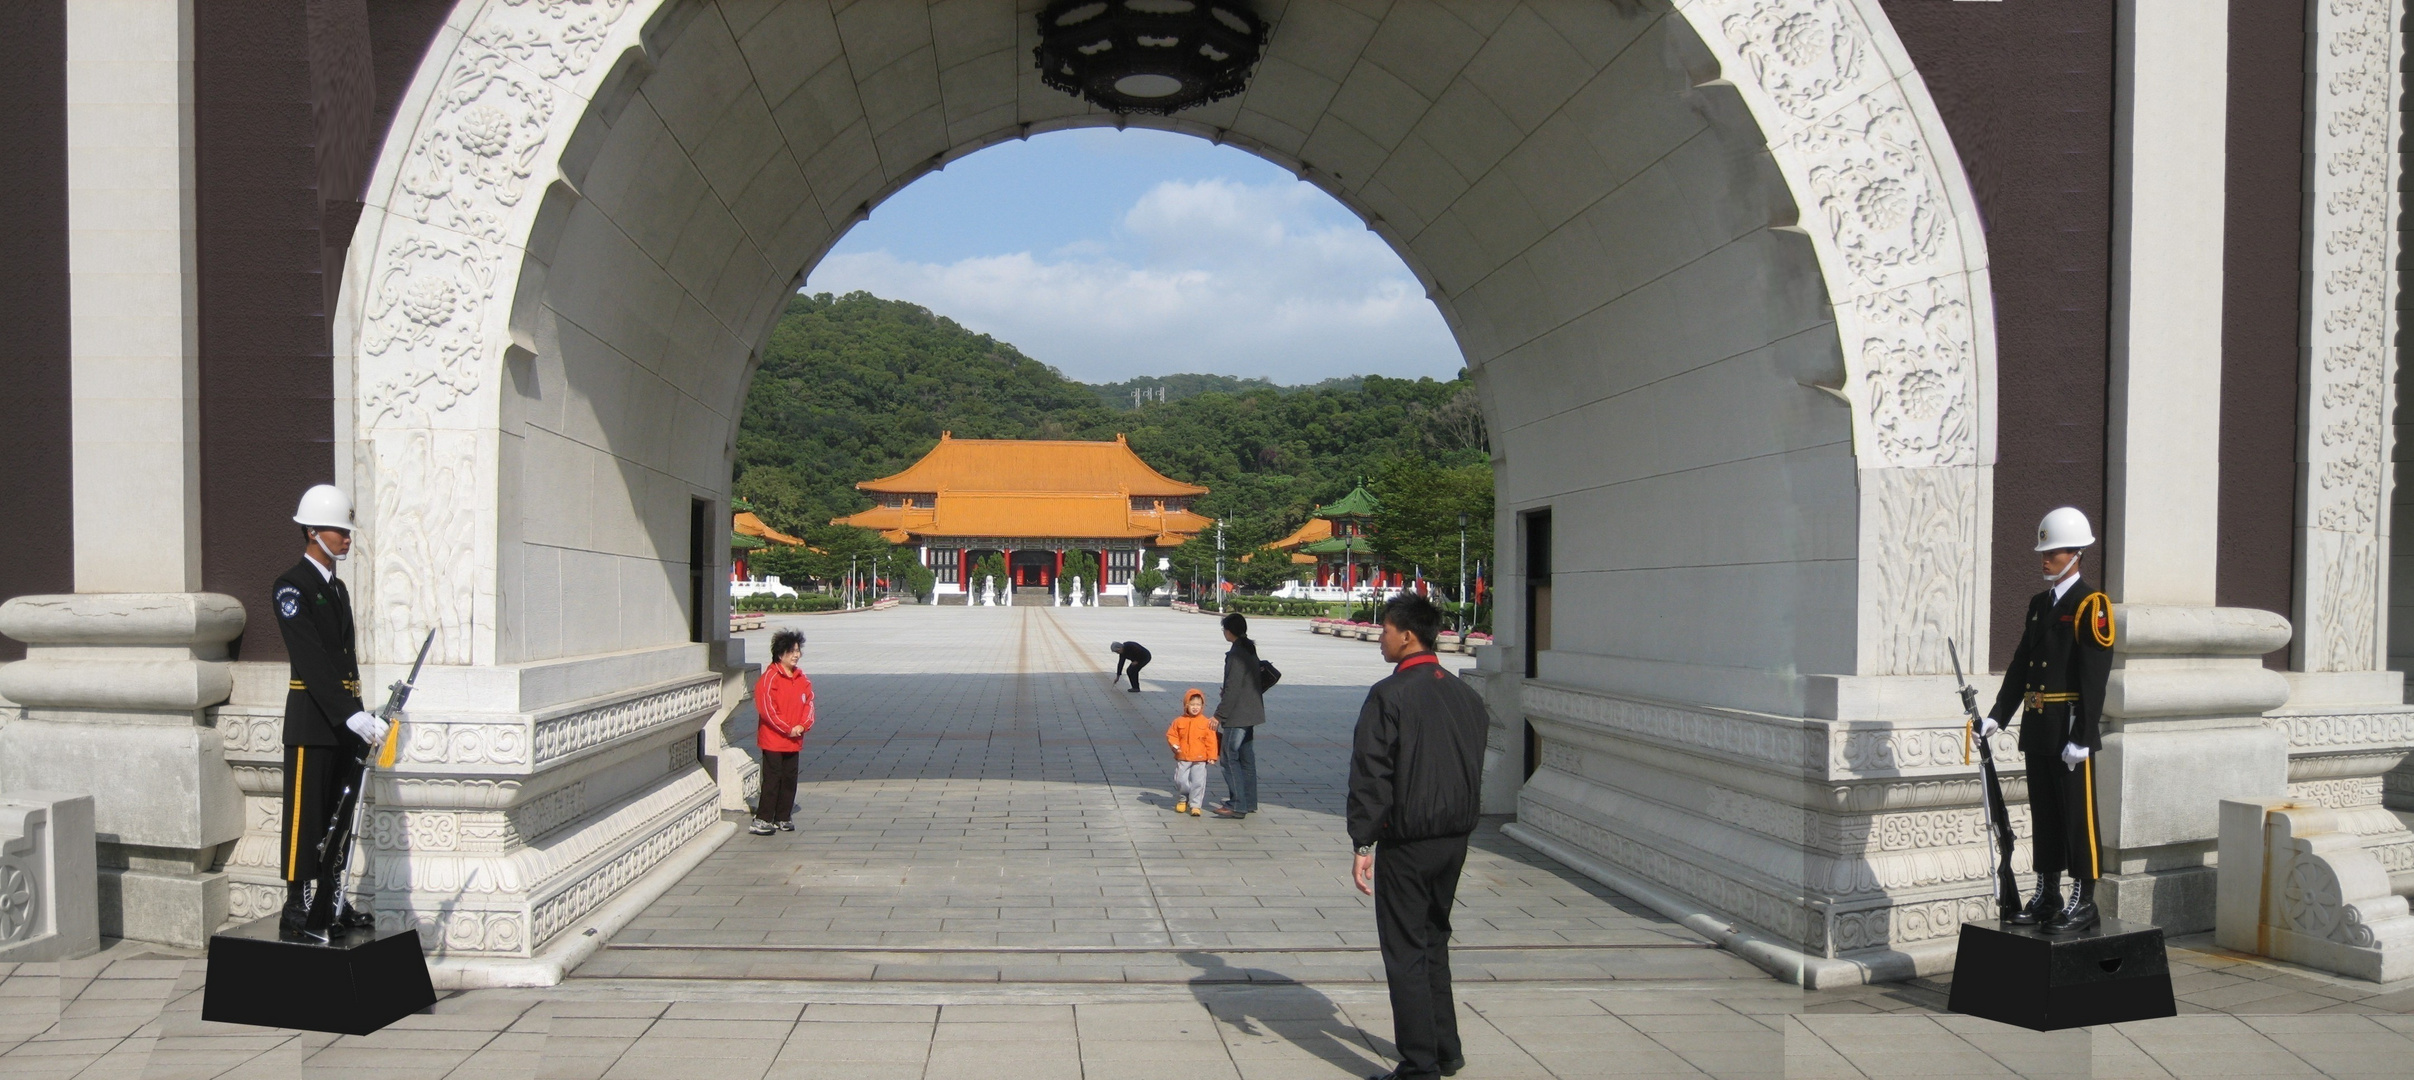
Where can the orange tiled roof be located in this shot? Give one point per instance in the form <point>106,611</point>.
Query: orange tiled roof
<point>1031,488</point>
<point>744,523</point>
<point>1032,465</point>
<point>1315,529</point>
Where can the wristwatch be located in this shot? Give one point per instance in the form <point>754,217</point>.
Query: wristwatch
<point>1366,849</point>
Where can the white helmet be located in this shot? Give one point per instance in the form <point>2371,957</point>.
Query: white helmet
<point>2064,528</point>
<point>325,506</point>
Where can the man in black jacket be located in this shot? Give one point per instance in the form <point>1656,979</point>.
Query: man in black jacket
<point>2056,679</point>
<point>1240,705</point>
<point>328,735</point>
<point>1415,769</point>
<point>1129,654</point>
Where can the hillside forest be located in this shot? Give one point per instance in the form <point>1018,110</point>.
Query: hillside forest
<point>855,387</point>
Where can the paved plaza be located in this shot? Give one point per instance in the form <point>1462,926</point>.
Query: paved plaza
<point>987,880</point>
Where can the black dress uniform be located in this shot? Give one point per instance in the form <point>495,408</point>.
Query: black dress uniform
<point>322,756</point>
<point>2056,679</point>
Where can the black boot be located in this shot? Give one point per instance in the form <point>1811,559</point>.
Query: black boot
<point>319,926</point>
<point>2080,914</point>
<point>2047,904</point>
<point>290,924</point>
<point>353,920</point>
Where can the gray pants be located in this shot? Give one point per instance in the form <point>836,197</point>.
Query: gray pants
<point>1190,781</point>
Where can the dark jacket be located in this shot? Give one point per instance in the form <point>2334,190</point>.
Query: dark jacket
<point>1241,702</point>
<point>314,614</point>
<point>2065,651</point>
<point>1418,758</point>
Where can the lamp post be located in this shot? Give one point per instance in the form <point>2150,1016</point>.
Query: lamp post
<point>1462,571</point>
<point>1219,565</point>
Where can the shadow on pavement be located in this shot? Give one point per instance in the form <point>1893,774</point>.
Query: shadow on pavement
<point>1262,1007</point>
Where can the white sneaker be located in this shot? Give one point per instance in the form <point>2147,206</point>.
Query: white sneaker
<point>761,828</point>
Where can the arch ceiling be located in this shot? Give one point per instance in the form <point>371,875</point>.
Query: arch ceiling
<point>1714,265</point>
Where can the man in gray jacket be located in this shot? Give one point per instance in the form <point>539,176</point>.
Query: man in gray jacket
<point>1239,707</point>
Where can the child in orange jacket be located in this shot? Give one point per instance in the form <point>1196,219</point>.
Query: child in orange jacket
<point>1194,745</point>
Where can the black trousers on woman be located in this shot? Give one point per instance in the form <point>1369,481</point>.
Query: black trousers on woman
<point>778,801</point>
<point>1415,884</point>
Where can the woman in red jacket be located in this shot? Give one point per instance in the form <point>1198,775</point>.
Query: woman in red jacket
<point>783,702</point>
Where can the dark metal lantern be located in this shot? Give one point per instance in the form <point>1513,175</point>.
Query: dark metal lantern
<point>1148,56</point>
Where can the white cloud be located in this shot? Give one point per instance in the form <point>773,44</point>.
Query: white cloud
<point>1209,275</point>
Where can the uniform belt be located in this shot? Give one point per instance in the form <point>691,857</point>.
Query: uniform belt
<point>297,685</point>
<point>351,686</point>
<point>2036,700</point>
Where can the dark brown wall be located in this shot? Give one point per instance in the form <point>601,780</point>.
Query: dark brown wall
<point>286,105</point>
<point>37,531</point>
<point>2260,299</point>
<point>2025,89</point>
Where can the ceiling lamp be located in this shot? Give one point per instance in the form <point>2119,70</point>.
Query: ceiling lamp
<point>1148,56</point>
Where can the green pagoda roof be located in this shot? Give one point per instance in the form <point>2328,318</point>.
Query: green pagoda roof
<point>1355,545</point>
<point>1359,503</point>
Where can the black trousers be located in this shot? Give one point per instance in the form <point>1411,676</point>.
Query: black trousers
<point>2061,812</point>
<point>1416,881</point>
<point>1134,666</point>
<point>778,800</point>
<point>314,783</point>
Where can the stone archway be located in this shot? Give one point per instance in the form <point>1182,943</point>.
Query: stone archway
<point>1714,266</point>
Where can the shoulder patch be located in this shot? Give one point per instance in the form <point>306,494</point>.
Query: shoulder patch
<point>289,600</point>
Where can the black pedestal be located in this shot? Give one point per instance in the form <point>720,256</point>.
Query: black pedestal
<point>2046,982</point>
<point>354,985</point>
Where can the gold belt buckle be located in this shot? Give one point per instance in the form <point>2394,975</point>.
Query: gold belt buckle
<point>2033,701</point>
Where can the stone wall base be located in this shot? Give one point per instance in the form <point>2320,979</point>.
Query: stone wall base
<point>2178,900</point>
<point>170,908</point>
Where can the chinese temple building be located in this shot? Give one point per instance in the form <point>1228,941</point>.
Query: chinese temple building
<point>1033,502</point>
<point>748,533</point>
<point>1335,539</point>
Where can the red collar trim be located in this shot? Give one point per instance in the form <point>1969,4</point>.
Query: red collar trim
<point>1420,658</point>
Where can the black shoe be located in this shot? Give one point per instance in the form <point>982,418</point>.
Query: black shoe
<point>1134,690</point>
<point>2079,915</point>
<point>293,923</point>
<point>1452,1066</point>
<point>356,921</point>
<point>2045,905</point>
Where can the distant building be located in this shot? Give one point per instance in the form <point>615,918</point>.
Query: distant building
<point>1335,538</point>
<point>748,533</point>
<point>1032,501</point>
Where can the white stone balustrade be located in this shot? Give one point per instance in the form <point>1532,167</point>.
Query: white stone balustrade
<point>49,907</point>
<point>2295,887</point>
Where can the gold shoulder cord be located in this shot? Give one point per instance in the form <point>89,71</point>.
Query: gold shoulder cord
<point>2095,613</point>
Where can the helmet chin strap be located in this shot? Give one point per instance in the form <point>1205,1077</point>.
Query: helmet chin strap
<point>314,538</point>
<point>2050,579</point>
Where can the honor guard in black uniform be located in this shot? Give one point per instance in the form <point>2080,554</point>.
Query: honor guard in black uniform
<point>2056,681</point>
<point>328,735</point>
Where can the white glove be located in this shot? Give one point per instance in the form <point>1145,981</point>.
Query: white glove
<point>2073,754</point>
<point>1987,726</point>
<point>370,729</point>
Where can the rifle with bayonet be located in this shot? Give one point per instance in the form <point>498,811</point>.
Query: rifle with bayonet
<point>1999,817</point>
<point>335,848</point>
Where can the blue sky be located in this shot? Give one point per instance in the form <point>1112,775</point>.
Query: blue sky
<point>1115,254</point>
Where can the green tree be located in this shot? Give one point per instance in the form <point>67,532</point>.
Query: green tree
<point>1263,570</point>
<point>1416,523</point>
<point>990,567</point>
<point>1147,582</point>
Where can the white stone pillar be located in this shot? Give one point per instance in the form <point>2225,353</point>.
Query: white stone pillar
<point>117,675</point>
<point>2183,710</point>
<point>130,220</point>
<point>2170,140</point>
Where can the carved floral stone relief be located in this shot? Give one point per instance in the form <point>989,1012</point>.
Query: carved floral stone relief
<point>2350,301</point>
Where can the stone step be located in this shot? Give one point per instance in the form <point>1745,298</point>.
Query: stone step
<point>1034,964</point>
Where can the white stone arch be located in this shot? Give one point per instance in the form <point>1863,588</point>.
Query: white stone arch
<point>1714,264</point>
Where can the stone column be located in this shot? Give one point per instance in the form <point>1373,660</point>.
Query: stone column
<point>118,674</point>
<point>2183,710</point>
